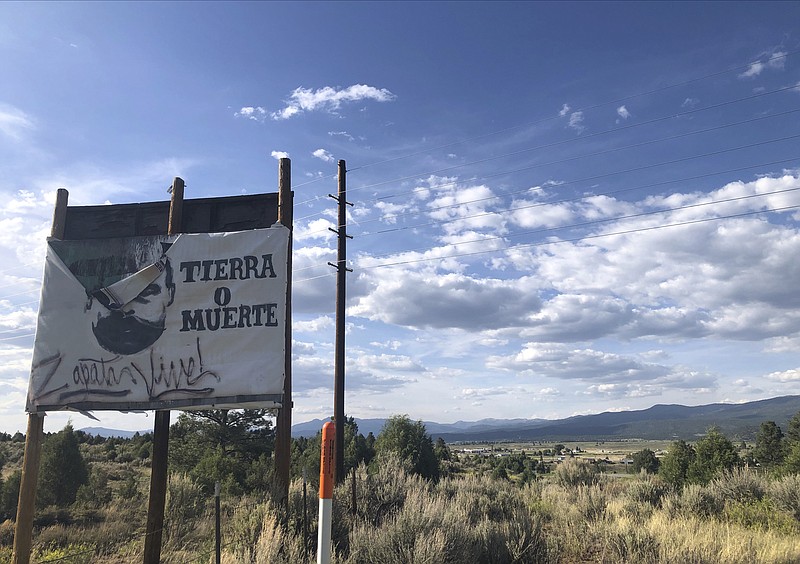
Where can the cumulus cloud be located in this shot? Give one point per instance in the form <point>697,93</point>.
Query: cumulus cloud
<point>775,60</point>
<point>790,376</point>
<point>416,299</point>
<point>576,122</point>
<point>323,155</point>
<point>329,99</point>
<point>564,110</point>
<point>322,323</point>
<point>623,112</point>
<point>278,155</point>
<point>659,282</point>
<point>254,113</point>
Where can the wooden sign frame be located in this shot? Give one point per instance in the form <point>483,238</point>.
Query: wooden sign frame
<point>202,215</point>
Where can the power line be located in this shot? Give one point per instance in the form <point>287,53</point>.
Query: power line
<point>19,294</point>
<point>18,337</point>
<point>609,219</point>
<point>582,109</point>
<point>3,271</point>
<point>585,237</point>
<point>550,118</point>
<point>635,145</point>
<point>614,173</point>
<point>584,224</point>
<point>571,140</point>
<point>564,200</point>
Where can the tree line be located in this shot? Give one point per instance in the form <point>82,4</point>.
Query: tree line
<point>235,448</point>
<point>684,463</point>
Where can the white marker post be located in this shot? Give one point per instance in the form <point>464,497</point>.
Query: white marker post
<point>326,480</point>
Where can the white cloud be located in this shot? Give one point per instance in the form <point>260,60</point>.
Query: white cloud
<point>14,122</point>
<point>315,325</point>
<point>623,112</point>
<point>329,99</point>
<point>278,155</point>
<point>323,155</point>
<point>342,134</point>
<point>785,376</point>
<point>690,103</point>
<point>576,121</point>
<point>254,113</point>
<point>564,110</point>
<point>314,229</point>
<point>775,60</point>
<point>415,299</point>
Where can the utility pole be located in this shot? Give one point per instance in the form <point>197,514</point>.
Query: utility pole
<point>342,270</point>
<point>158,465</point>
<point>283,432</point>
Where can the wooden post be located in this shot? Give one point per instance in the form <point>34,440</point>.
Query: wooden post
<point>158,470</point>
<point>341,298</point>
<point>217,526</point>
<point>353,492</point>
<point>26,504</point>
<point>283,433</point>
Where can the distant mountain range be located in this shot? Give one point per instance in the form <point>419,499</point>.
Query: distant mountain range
<point>670,422</point>
<point>104,432</point>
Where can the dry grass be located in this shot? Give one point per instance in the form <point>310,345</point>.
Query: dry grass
<point>573,517</point>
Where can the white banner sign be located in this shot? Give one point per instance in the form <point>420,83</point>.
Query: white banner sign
<point>192,321</point>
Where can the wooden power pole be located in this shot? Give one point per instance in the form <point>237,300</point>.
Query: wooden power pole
<point>283,432</point>
<point>158,471</point>
<point>341,272</point>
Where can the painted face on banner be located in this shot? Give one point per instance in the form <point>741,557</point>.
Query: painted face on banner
<point>139,323</point>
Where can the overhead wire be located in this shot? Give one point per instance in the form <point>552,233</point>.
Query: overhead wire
<point>544,204</point>
<point>596,177</point>
<point>554,202</point>
<point>585,237</point>
<point>564,142</point>
<point>581,109</point>
<point>584,224</point>
<point>607,220</point>
<point>598,153</point>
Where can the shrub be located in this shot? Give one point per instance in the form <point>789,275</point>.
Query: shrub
<point>243,530</point>
<point>698,500</point>
<point>738,485</point>
<point>633,544</point>
<point>185,503</point>
<point>574,472</point>
<point>7,534</point>
<point>785,494</point>
<point>760,515</point>
<point>647,490</point>
<point>458,521</point>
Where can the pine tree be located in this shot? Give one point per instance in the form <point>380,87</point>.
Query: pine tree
<point>62,469</point>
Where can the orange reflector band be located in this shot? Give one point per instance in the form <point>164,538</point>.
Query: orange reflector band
<point>326,467</point>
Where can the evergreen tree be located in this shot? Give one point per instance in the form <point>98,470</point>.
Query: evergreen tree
<point>674,467</point>
<point>714,453</point>
<point>62,469</point>
<point>10,496</point>
<point>770,449</point>
<point>793,429</point>
<point>221,445</point>
<point>645,460</point>
<point>411,443</point>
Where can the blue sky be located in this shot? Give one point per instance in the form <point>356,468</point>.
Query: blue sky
<point>560,208</point>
